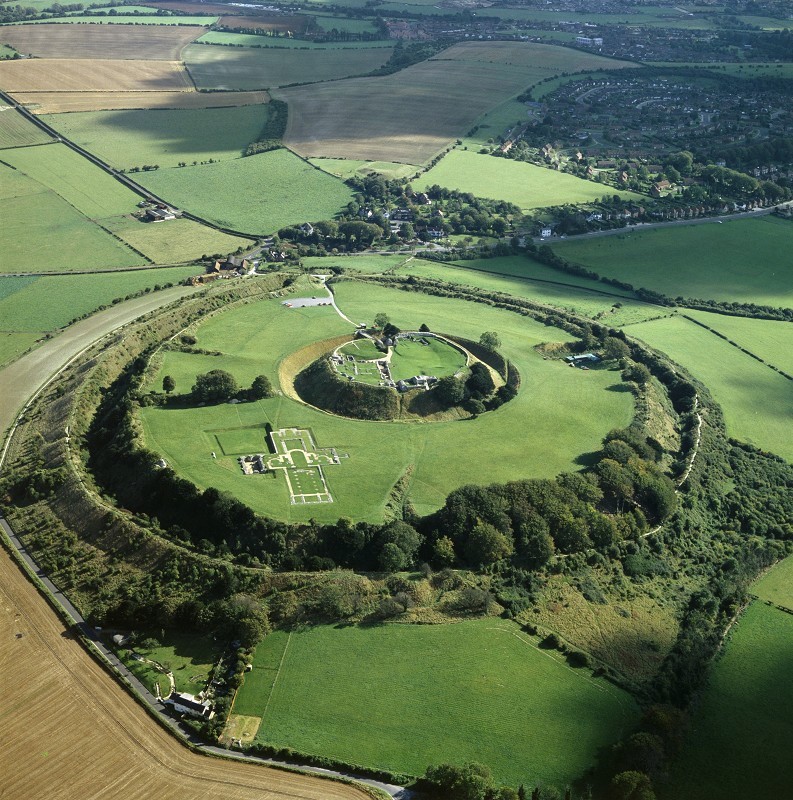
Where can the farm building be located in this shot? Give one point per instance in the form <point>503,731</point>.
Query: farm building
<point>187,704</point>
<point>584,358</point>
<point>160,213</point>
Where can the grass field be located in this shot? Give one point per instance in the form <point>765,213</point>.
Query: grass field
<point>258,194</point>
<point>435,358</point>
<point>769,339</point>
<point>16,131</point>
<point>127,139</point>
<point>526,185</point>
<point>126,20</point>
<point>31,307</point>
<point>252,40</point>
<point>739,739</point>
<point>571,410</point>
<point>751,70</point>
<point>324,691</point>
<point>346,168</point>
<point>777,584</point>
<point>65,102</point>
<point>92,75</point>
<point>757,402</point>
<point>264,68</point>
<point>100,41</point>
<point>351,25</point>
<point>64,238</point>
<point>741,260</point>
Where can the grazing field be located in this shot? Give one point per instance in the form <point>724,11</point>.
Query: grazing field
<point>64,238</point>
<point>741,260</point>
<point>737,70</point>
<point>92,75</point>
<point>771,340</point>
<point>81,184</point>
<point>16,131</point>
<point>738,742</point>
<point>100,41</point>
<point>757,402</point>
<point>127,139</point>
<point>526,185</point>
<point>33,306</point>
<point>347,24</point>
<point>571,410</point>
<point>106,744</point>
<point>174,241</point>
<point>64,102</point>
<point>264,68</point>
<point>434,358</point>
<point>407,117</point>
<point>545,721</point>
<point>258,194</point>
<point>252,40</point>
<point>776,585</point>
<point>345,168</point>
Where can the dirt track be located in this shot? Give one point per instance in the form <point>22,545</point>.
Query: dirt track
<point>71,732</point>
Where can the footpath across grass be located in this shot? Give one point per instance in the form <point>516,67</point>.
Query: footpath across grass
<point>401,697</point>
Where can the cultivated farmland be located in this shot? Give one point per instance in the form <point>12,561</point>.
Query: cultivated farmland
<point>127,139</point>
<point>258,194</point>
<point>738,743</point>
<point>526,185</point>
<point>106,744</point>
<point>64,102</point>
<point>160,43</point>
<point>757,402</point>
<point>742,260</point>
<point>16,131</point>
<point>545,720</point>
<point>264,68</point>
<point>92,75</point>
<point>570,410</point>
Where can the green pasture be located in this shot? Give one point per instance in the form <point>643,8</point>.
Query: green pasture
<point>64,238</point>
<point>242,441</point>
<point>87,188</point>
<point>346,168</point>
<point>373,263</point>
<point>495,122</point>
<point>348,25</point>
<point>569,410</point>
<point>741,260</point>
<point>264,68</point>
<point>257,194</point>
<point>735,70</point>
<point>281,42</point>
<point>526,185</point>
<point>738,742</point>
<point>757,402</point>
<point>771,340</point>
<point>16,131</point>
<point>6,51</point>
<point>400,697</point>
<point>189,656</point>
<point>166,137</point>
<point>436,358</point>
<point>363,349</point>
<point>174,241</point>
<point>776,585</point>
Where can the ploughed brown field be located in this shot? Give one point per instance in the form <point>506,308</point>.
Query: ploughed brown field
<point>93,75</point>
<point>69,731</point>
<point>61,102</point>
<point>138,42</point>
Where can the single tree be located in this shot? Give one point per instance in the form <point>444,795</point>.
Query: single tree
<point>380,320</point>
<point>615,349</point>
<point>215,386</point>
<point>168,384</point>
<point>490,340</point>
<point>261,388</point>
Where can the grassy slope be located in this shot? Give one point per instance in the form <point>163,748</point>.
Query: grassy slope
<point>345,168</point>
<point>743,260</point>
<point>526,185</point>
<point>166,137</point>
<point>258,194</point>
<point>739,740</point>
<point>569,410</point>
<point>400,697</point>
<point>437,359</point>
<point>64,238</point>
<point>757,402</point>
<point>777,584</point>
<point>15,130</point>
<point>33,306</point>
<point>264,68</point>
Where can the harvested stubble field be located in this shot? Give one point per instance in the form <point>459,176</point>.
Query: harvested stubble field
<point>66,102</point>
<point>104,744</point>
<point>407,117</point>
<point>159,43</point>
<point>93,75</point>
<point>16,131</point>
<point>264,68</point>
<point>128,139</point>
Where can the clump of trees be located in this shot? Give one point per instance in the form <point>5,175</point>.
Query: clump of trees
<point>211,388</point>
